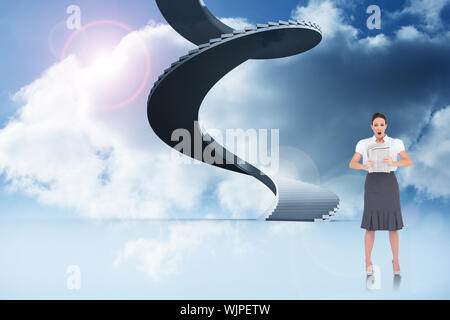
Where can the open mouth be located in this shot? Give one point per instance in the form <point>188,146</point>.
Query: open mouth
<point>379,133</point>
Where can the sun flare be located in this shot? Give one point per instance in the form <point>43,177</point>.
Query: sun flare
<point>106,63</point>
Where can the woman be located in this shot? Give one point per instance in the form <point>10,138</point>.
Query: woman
<point>381,193</point>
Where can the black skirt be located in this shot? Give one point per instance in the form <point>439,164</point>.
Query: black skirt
<point>381,202</point>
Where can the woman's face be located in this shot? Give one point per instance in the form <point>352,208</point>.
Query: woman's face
<point>378,126</point>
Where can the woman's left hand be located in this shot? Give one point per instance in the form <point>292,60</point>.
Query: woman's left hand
<point>388,161</point>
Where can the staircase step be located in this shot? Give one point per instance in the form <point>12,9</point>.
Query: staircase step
<point>226,35</point>
<point>301,216</point>
<point>215,40</point>
<point>290,219</point>
<point>293,210</point>
<point>183,57</point>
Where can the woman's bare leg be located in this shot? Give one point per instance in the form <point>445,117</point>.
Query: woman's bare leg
<point>393,238</point>
<point>369,239</point>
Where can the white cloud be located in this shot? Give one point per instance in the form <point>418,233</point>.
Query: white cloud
<point>350,189</point>
<point>161,257</point>
<point>236,23</point>
<point>176,247</point>
<point>430,172</point>
<point>379,41</point>
<point>326,15</point>
<point>429,11</point>
<point>63,151</point>
<point>408,33</point>
<point>251,197</point>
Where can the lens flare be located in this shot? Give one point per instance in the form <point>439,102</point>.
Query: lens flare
<point>108,64</point>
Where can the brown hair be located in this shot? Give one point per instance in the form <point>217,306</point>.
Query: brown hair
<point>379,115</point>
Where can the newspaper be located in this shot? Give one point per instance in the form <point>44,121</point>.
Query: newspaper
<point>377,152</point>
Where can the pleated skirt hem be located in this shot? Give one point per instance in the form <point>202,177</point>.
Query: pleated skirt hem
<point>382,220</point>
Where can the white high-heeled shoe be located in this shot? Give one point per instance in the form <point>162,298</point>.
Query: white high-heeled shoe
<point>396,272</point>
<point>369,270</point>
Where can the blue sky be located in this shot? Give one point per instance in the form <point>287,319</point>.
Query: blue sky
<point>68,169</point>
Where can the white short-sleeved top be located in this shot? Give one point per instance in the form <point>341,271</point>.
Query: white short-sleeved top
<point>396,146</point>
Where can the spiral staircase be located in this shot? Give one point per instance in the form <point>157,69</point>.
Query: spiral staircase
<point>176,96</point>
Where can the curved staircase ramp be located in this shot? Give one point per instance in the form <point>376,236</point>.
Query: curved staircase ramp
<point>176,97</point>
<point>301,201</point>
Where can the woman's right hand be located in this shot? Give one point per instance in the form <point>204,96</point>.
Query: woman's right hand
<point>368,164</point>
